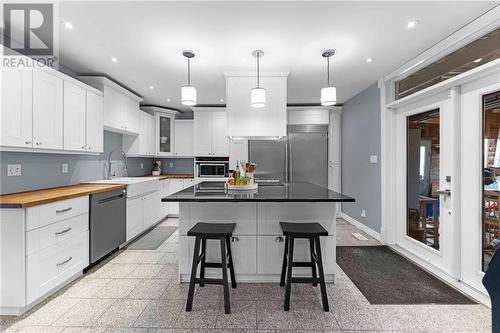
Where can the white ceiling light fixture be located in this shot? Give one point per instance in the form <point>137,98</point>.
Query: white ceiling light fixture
<point>151,87</point>
<point>188,93</point>
<point>412,24</point>
<point>368,60</point>
<point>68,25</point>
<point>168,99</point>
<point>258,94</point>
<point>478,60</point>
<point>329,93</point>
<point>114,59</point>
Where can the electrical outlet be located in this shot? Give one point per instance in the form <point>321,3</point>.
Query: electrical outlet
<point>363,213</point>
<point>64,168</point>
<point>14,170</point>
<point>171,164</point>
<point>142,165</point>
<point>373,159</point>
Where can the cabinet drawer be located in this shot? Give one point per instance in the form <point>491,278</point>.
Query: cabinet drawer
<point>43,215</point>
<point>50,267</point>
<point>271,249</point>
<point>243,214</point>
<point>51,234</point>
<point>270,214</point>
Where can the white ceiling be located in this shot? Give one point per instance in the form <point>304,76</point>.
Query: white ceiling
<point>148,38</point>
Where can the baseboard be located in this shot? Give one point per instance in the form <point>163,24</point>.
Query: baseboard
<point>361,226</point>
<point>443,276</point>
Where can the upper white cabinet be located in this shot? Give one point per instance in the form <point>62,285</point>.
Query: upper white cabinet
<point>17,113</point>
<point>121,107</point>
<point>164,134</point>
<point>142,144</point>
<point>184,137</point>
<point>238,151</point>
<point>94,123</point>
<point>43,109</point>
<point>47,110</point>
<point>257,123</point>
<point>210,126</point>
<point>74,116</point>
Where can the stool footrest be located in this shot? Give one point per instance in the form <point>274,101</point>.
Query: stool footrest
<point>305,280</point>
<point>302,264</point>
<point>208,281</point>
<point>216,265</point>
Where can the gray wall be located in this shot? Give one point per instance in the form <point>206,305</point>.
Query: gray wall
<point>360,139</point>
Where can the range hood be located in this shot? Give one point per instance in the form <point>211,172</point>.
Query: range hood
<point>246,122</point>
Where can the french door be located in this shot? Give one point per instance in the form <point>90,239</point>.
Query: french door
<point>427,177</point>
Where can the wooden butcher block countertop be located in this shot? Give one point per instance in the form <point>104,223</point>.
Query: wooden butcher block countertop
<point>176,176</point>
<point>38,197</point>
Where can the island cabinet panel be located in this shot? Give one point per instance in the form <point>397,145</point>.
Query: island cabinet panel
<point>271,249</point>
<point>270,214</point>
<point>243,214</point>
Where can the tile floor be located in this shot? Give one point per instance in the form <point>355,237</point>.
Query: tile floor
<point>137,291</point>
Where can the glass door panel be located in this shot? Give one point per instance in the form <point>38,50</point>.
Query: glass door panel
<point>491,177</point>
<point>165,134</point>
<point>423,164</point>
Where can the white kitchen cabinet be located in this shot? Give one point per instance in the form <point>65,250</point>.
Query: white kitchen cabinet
<point>164,191</point>
<point>94,123</point>
<point>243,120</point>
<point>17,113</point>
<point>334,158</point>
<point>74,106</point>
<point>151,204</point>
<point>210,132</point>
<point>184,137</point>
<point>47,110</point>
<point>135,217</point>
<point>238,151</point>
<point>142,144</point>
<point>121,106</point>
<point>176,185</point>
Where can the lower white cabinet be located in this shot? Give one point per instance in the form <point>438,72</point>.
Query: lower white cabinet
<point>42,248</point>
<point>142,213</point>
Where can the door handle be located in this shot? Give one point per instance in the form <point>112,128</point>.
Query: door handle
<point>64,210</point>
<point>64,262</point>
<point>62,232</point>
<point>444,191</point>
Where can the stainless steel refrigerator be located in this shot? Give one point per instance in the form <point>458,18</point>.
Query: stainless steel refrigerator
<point>300,157</point>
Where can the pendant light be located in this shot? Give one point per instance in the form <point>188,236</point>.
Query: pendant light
<point>188,93</point>
<point>258,94</point>
<point>328,94</point>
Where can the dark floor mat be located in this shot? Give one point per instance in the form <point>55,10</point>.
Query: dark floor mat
<point>385,277</point>
<point>153,239</point>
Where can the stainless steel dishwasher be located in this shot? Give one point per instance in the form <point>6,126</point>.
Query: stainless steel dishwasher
<point>107,222</point>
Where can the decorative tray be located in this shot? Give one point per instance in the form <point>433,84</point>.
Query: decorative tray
<point>242,187</point>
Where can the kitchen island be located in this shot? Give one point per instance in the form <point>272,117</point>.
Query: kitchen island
<point>257,243</point>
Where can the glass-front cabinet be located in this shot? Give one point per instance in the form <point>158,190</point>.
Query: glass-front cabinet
<point>164,134</point>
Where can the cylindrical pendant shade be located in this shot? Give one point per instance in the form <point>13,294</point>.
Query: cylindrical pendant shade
<point>328,96</point>
<point>188,95</point>
<point>258,97</point>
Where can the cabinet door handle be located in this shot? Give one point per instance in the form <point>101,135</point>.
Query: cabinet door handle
<point>235,239</point>
<point>63,231</point>
<point>38,143</point>
<point>64,210</point>
<point>64,262</point>
<point>83,147</point>
<point>90,148</point>
<point>27,142</point>
<point>279,239</point>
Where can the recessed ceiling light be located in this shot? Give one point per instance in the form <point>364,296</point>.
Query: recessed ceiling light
<point>168,99</point>
<point>68,25</point>
<point>412,24</point>
<point>369,60</point>
<point>151,87</point>
<point>478,60</point>
<point>114,59</point>
<point>221,100</point>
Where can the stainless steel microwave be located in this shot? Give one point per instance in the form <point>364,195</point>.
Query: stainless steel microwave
<point>212,170</point>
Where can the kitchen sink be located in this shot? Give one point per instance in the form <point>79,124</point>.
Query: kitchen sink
<point>135,185</point>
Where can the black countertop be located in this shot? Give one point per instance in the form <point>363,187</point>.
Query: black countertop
<point>290,192</point>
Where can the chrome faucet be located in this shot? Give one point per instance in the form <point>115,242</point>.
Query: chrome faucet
<point>124,157</point>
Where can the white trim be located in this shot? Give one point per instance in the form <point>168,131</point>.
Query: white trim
<point>457,284</point>
<point>360,226</point>
<point>475,29</point>
<point>48,151</point>
<point>99,82</point>
<point>208,108</point>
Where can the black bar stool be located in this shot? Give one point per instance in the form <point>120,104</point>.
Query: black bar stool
<point>202,232</point>
<point>311,231</point>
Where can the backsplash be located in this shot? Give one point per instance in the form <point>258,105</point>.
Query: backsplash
<point>180,165</point>
<point>41,170</point>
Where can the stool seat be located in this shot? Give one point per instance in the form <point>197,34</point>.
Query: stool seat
<point>212,230</point>
<point>303,229</point>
